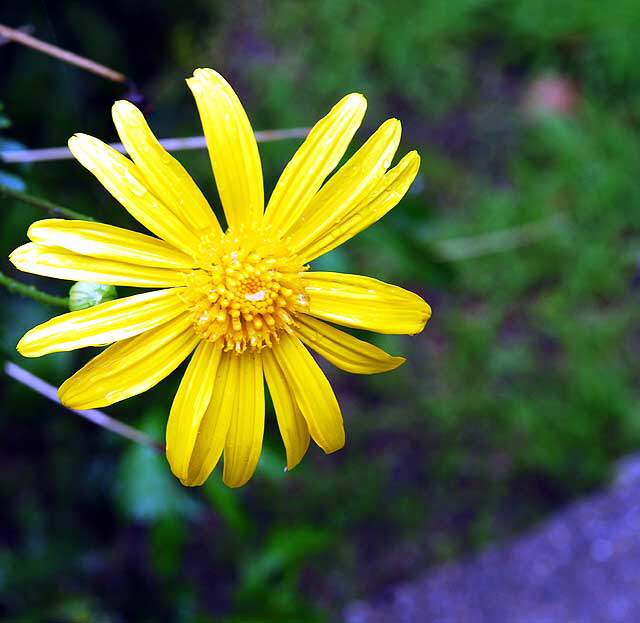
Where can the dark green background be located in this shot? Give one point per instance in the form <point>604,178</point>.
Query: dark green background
<point>520,394</point>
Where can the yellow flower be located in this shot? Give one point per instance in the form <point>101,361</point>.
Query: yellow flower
<point>242,298</point>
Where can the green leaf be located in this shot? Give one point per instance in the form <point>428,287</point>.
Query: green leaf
<point>285,550</point>
<point>146,490</point>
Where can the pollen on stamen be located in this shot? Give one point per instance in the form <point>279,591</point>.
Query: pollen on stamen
<point>245,291</point>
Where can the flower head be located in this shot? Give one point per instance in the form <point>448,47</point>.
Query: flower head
<point>243,299</point>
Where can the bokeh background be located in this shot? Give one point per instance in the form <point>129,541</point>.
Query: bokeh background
<point>522,230</point>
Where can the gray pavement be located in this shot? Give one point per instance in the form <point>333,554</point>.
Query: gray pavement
<point>580,566</point>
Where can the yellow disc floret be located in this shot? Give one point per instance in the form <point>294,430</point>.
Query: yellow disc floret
<point>245,290</point>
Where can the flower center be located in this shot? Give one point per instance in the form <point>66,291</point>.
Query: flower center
<point>245,290</point>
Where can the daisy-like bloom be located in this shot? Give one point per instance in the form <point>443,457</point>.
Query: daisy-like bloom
<point>241,299</point>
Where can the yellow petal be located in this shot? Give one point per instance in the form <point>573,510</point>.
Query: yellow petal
<point>102,324</point>
<point>130,367</point>
<point>214,426</point>
<point>61,264</point>
<point>108,242</point>
<point>163,174</point>
<point>352,184</point>
<point>364,303</point>
<point>125,182</point>
<point>232,147</point>
<point>293,427</point>
<point>244,439</point>
<point>343,350</point>
<point>387,193</point>
<point>312,392</point>
<point>313,162</point>
<point>190,404</point>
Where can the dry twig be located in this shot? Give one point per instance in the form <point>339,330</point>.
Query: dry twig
<point>64,55</point>
<point>170,144</point>
<point>93,415</point>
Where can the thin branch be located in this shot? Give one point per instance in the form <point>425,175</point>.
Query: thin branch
<point>170,144</point>
<point>27,29</point>
<point>93,415</point>
<point>44,204</point>
<point>469,247</point>
<point>269,136</point>
<point>32,292</point>
<point>59,53</point>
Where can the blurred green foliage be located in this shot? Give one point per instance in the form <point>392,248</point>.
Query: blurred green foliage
<point>523,231</point>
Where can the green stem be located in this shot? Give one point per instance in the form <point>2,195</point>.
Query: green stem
<point>470,247</point>
<point>32,292</point>
<point>52,208</point>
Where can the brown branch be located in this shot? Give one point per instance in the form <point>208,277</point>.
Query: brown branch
<point>59,53</point>
<point>170,144</point>
<point>93,415</point>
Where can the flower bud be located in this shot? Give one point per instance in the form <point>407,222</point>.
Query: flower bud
<point>83,295</point>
